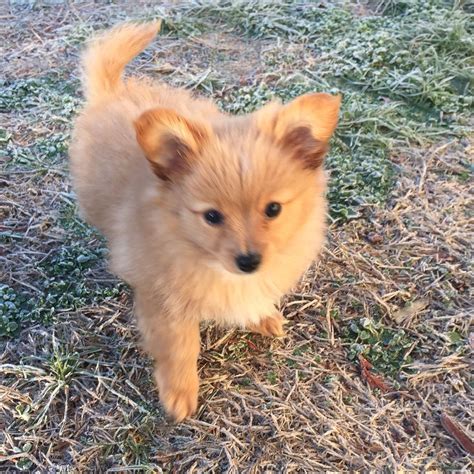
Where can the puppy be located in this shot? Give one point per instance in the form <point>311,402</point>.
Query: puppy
<point>207,216</point>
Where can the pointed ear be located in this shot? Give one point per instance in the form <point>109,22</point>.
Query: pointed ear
<point>319,112</point>
<point>304,126</point>
<point>170,141</point>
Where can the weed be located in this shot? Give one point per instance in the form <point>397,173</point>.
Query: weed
<point>45,153</point>
<point>245,382</point>
<point>51,94</point>
<point>384,347</point>
<point>133,442</point>
<point>456,340</point>
<point>64,287</point>
<point>50,99</point>
<point>62,364</point>
<point>237,349</point>
<point>302,350</point>
<point>272,377</point>
<point>14,309</point>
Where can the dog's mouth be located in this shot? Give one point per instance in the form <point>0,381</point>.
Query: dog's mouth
<point>230,268</point>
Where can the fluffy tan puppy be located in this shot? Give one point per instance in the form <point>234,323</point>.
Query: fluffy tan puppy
<point>207,216</point>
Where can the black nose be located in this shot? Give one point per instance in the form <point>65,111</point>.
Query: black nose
<point>249,262</point>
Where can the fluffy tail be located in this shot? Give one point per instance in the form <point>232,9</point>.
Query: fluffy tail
<point>106,57</point>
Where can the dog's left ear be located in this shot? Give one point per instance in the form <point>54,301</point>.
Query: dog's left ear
<point>170,142</point>
<point>304,126</point>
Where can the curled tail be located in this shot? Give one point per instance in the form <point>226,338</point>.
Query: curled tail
<point>106,57</point>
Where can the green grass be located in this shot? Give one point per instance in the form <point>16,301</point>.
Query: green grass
<point>44,153</point>
<point>272,377</point>
<point>48,104</point>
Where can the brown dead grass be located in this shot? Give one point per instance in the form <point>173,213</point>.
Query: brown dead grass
<point>292,405</point>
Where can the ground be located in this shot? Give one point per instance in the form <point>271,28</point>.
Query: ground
<point>375,364</point>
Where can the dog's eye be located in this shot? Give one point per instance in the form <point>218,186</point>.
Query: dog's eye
<point>272,210</point>
<point>213,217</point>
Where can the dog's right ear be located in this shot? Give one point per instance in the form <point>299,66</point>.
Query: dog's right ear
<point>170,141</point>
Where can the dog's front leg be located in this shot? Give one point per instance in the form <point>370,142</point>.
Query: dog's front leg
<point>174,344</point>
<point>270,326</point>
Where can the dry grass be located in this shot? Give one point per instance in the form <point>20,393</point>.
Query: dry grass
<point>393,286</point>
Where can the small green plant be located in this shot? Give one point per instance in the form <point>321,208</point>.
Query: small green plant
<point>47,151</point>
<point>272,377</point>
<point>45,99</point>
<point>301,350</point>
<point>245,382</point>
<point>23,411</point>
<point>53,94</point>
<point>246,99</point>
<point>62,364</point>
<point>134,442</point>
<point>14,309</point>
<point>64,287</point>
<point>457,341</point>
<point>384,347</point>
<point>237,349</point>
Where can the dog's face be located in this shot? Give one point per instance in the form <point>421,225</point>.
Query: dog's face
<point>241,189</point>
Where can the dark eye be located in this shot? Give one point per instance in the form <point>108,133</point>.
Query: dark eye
<point>272,210</point>
<point>213,217</point>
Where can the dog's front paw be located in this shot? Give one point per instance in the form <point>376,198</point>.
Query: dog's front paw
<point>180,400</point>
<point>270,326</point>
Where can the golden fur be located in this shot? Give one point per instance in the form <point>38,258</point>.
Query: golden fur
<point>148,160</point>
